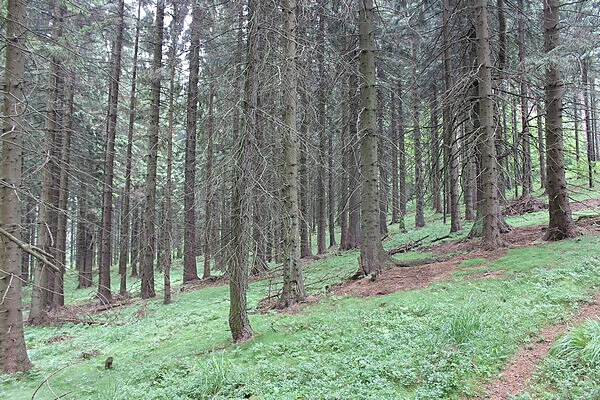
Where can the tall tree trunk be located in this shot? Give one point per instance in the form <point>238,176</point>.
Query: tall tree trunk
<point>239,323</point>
<point>305,245</point>
<point>525,138</point>
<point>435,153</point>
<point>489,171</point>
<point>42,293</point>
<point>561,223</point>
<point>330,191</point>
<point>210,192</point>
<point>372,256</point>
<point>382,156</point>
<point>13,353</point>
<point>394,157</point>
<point>147,267</point>
<point>588,122</point>
<point>104,292</point>
<point>179,14</point>
<point>403,194</point>
<point>63,187</point>
<point>190,272</point>
<point>125,215</point>
<point>321,165</point>
<point>293,283</point>
<point>354,202</point>
<point>450,148</point>
<point>418,151</point>
<point>541,146</point>
<point>576,122</point>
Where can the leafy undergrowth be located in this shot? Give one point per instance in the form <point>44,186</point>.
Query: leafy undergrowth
<point>572,371</point>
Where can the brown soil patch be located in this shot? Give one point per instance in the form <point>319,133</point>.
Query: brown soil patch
<point>410,278</point>
<point>395,279</point>
<point>589,204</point>
<point>486,275</point>
<point>515,376</point>
<point>517,237</point>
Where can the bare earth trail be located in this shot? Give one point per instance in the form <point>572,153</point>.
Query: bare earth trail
<point>517,373</point>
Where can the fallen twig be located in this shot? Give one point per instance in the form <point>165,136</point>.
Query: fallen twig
<point>440,238</point>
<point>407,247</point>
<point>422,261</point>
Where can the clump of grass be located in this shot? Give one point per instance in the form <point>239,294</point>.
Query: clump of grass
<point>581,345</point>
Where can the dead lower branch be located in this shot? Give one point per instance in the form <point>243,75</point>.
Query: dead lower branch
<point>34,251</point>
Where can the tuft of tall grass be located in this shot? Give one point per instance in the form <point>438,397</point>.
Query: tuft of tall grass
<point>581,345</point>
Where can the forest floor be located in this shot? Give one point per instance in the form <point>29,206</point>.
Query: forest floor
<point>477,324</point>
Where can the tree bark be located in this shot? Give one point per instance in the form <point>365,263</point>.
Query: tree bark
<point>450,148</point>
<point>293,283</point>
<point>525,138</point>
<point>147,265</point>
<point>489,171</point>
<point>13,353</point>
<point>126,214</point>
<point>239,323</point>
<point>587,116</point>
<point>43,290</point>
<point>372,256</point>
<point>561,223</point>
<point>190,272</point>
<point>104,290</point>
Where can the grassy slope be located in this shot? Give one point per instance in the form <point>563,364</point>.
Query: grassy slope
<point>439,342</point>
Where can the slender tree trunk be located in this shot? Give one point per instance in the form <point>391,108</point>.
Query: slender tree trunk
<point>293,283</point>
<point>344,194</point>
<point>541,146</point>
<point>42,293</point>
<point>403,193</point>
<point>435,154</point>
<point>372,256</point>
<point>451,161</point>
<point>489,171</point>
<point>321,166</point>
<point>561,223</point>
<point>394,157</point>
<point>354,202</point>
<point>588,122</point>
<point>135,242</point>
<point>104,291</point>
<point>179,13</point>
<point>147,267</point>
<point>190,272</point>
<point>238,282</point>
<point>210,192</point>
<point>382,154</point>
<point>418,151</point>
<point>305,245</point>
<point>13,353</point>
<point>525,138</point>
<point>331,191</point>
<point>126,214</point>
<point>61,236</point>
<point>576,117</point>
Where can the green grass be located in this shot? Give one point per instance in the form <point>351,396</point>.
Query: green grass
<point>572,370</point>
<point>420,344</point>
<point>442,342</point>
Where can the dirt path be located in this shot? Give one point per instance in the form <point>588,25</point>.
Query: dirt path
<point>410,278</point>
<point>516,375</point>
